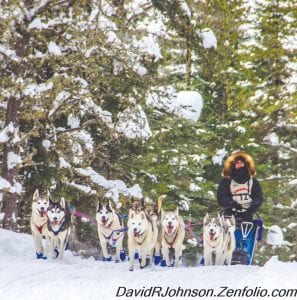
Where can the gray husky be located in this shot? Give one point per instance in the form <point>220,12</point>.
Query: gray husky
<point>59,228</point>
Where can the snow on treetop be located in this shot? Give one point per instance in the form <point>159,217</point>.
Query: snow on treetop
<point>208,37</point>
<point>185,104</point>
<point>113,187</point>
<point>133,123</point>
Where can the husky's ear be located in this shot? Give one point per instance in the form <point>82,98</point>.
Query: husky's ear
<point>162,213</point>
<point>36,195</point>
<point>99,206</point>
<point>48,194</point>
<point>131,213</point>
<point>110,205</point>
<point>206,218</point>
<point>176,212</point>
<point>50,201</point>
<point>143,216</point>
<point>63,202</point>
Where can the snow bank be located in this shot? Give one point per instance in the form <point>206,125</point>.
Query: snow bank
<point>24,277</point>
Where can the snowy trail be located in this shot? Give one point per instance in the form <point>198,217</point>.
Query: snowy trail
<point>24,277</point>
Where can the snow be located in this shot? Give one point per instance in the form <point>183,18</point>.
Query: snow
<point>275,236</point>
<point>46,144</point>
<point>272,139</point>
<point>13,160</point>
<point>63,163</point>
<point>4,184</point>
<point>24,277</point>
<point>209,39</point>
<point>217,159</point>
<point>185,104</point>
<point>54,49</point>
<point>133,123</point>
<point>113,187</point>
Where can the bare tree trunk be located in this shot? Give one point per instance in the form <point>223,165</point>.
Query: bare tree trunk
<point>11,201</point>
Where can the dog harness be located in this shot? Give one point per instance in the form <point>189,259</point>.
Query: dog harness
<point>61,228</point>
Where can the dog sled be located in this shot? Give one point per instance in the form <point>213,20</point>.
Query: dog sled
<point>247,234</point>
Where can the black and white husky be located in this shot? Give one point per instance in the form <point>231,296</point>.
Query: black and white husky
<point>110,231</point>
<point>38,221</point>
<point>213,241</point>
<point>59,228</point>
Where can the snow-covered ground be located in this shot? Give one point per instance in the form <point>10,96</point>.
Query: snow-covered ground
<point>23,277</point>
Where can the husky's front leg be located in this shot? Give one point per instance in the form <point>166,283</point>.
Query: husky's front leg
<point>165,253</point>
<point>178,254</point>
<point>207,258</point>
<point>131,257</point>
<point>62,247</point>
<point>119,247</point>
<point>103,243</point>
<point>37,238</point>
<point>51,246</point>
<point>143,254</point>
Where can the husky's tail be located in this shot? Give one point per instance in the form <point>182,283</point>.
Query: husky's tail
<point>159,203</point>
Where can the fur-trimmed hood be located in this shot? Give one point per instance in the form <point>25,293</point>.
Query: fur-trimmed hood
<point>229,163</point>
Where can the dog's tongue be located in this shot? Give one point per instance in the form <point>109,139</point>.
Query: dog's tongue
<point>42,213</point>
<point>212,235</point>
<point>136,234</point>
<point>169,229</point>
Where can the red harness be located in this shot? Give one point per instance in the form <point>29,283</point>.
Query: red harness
<point>39,228</point>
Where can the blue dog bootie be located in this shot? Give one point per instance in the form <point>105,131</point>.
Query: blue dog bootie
<point>39,255</point>
<point>106,258</point>
<point>163,263</point>
<point>136,255</point>
<point>122,255</point>
<point>157,258</point>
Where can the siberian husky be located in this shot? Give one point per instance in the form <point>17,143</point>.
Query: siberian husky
<point>173,234</point>
<point>110,231</point>
<point>213,241</point>
<point>59,228</point>
<point>142,236</point>
<point>229,241</point>
<point>38,221</point>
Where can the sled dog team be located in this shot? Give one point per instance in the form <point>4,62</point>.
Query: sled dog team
<point>151,232</point>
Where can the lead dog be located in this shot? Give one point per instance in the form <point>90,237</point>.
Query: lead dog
<point>172,235</point>
<point>110,231</point>
<point>38,221</point>
<point>213,241</point>
<point>142,236</point>
<point>59,228</point>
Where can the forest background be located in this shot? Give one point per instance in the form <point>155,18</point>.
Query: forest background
<point>102,99</point>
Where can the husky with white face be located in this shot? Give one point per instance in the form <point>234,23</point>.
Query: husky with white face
<point>59,228</point>
<point>110,231</point>
<point>142,237</point>
<point>38,221</point>
<point>173,234</point>
<point>213,241</point>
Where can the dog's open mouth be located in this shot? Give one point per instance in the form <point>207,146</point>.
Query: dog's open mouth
<point>212,236</point>
<point>42,213</point>
<point>136,233</point>
<point>170,229</point>
<point>55,222</point>
<point>104,221</point>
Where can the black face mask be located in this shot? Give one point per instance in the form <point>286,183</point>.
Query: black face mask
<point>240,175</point>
